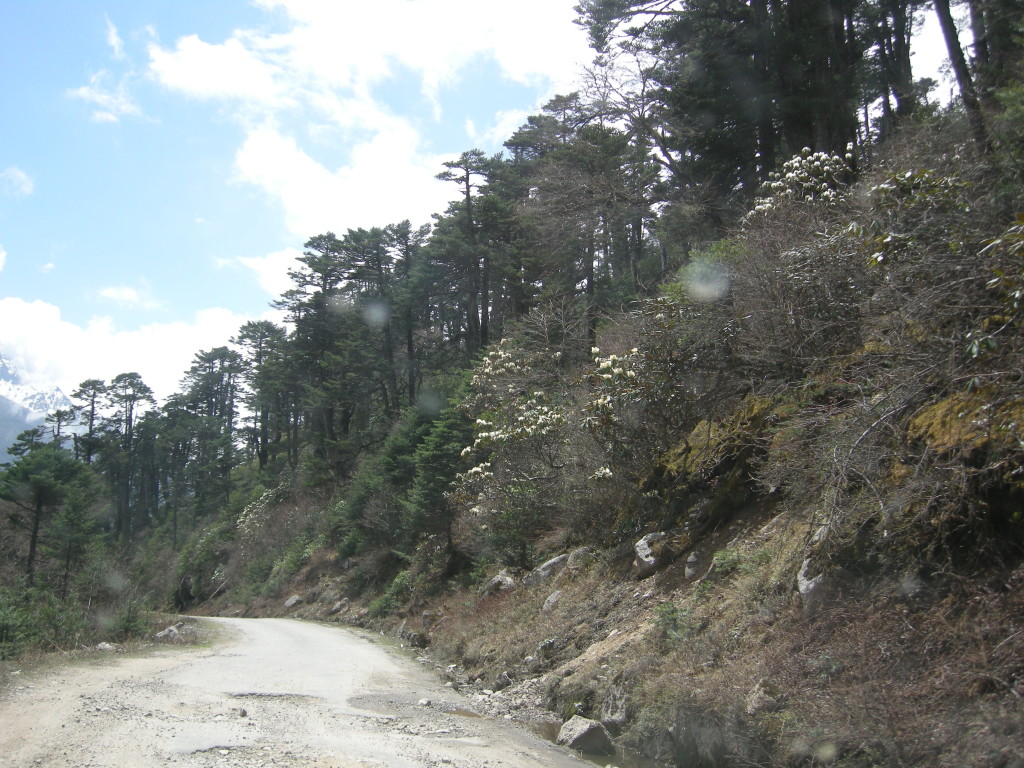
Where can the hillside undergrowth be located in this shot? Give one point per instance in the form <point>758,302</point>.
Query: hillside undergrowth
<point>820,419</point>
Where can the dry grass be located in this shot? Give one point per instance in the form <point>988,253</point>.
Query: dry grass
<point>510,632</point>
<point>878,677</point>
<point>891,671</point>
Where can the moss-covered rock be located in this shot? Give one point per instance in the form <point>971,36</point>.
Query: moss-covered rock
<point>704,477</point>
<point>713,443</point>
<point>971,423</point>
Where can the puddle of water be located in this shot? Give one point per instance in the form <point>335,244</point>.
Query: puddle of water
<point>623,758</point>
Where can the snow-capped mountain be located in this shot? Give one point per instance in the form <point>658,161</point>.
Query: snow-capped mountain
<point>38,401</point>
<point>23,406</point>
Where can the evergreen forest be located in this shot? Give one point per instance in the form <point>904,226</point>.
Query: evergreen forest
<point>753,295</point>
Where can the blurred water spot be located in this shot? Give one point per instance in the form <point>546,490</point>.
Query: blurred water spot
<point>339,305</point>
<point>377,314</point>
<point>706,281</point>
<point>826,752</point>
<point>431,402</point>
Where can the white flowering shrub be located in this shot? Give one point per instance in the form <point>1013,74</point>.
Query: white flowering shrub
<point>1000,328</point>
<point>516,480</point>
<point>817,177</point>
<point>641,397</point>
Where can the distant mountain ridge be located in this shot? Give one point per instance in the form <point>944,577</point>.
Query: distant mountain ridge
<point>23,406</point>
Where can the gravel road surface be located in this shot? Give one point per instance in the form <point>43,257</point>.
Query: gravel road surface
<point>268,693</point>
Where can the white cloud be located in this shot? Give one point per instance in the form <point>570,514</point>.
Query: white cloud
<point>357,43</point>
<point>386,181</point>
<point>229,70</point>
<point>272,270</point>
<point>3,257</point>
<point>50,350</point>
<point>114,40</point>
<point>504,124</point>
<point>110,104</point>
<point>16,183</point>
<point>126,296</point>
<point>330,63</point>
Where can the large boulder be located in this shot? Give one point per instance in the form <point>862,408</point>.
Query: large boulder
<point>501,582</point>
<point>580,559</point>
<point>585,735</point>
<point>552,600</point>
<point>647,551</point>
<point>546,571</point>
<point>176,634</point>
<point>615,708</point>
<point>656,550</point>
<point>337,606</point>
<point>699,738</point>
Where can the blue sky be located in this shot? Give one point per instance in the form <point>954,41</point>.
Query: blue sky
<point>162,161</point>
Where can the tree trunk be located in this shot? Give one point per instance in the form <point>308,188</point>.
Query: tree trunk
<point>485,300</point>
<point>588,276</point>
<point>410,357</point>
<point>968,93</point>
<point>33,543</point>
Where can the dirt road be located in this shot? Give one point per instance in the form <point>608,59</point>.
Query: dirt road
<point>271,692</point>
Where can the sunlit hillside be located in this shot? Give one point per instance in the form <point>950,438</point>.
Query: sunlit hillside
<point>697,414</point>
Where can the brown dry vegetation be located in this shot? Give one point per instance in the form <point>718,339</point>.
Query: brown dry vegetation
<point>835,451</point>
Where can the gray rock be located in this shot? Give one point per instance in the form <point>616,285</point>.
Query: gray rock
<point>503,581</point>
<point>690,570</point>
<point>813,589</point>
<point>292,601</point>
<point>547,647</point>
<point>703,738</point>
<point>552,600</point>
<point>699,738</point>
<point>585,735</point>
<point>580,559</point>
<point>546,571</point>
<point>615,708</point>
<point>336,608</point>
<point>646,561</point>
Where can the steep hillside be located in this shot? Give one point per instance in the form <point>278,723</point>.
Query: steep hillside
<point>772,518</point>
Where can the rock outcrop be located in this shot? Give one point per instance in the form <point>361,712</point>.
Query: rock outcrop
<point>585,735</point>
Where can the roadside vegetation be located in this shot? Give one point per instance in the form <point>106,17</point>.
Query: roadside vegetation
<point>799,383</point>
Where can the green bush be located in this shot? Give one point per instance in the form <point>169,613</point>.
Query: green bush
<point>35,618</point>
<point>674,622</point>
<point>130,621</point>
<point>391,599</point>
<point>733,559</point>
<point>15,626</point>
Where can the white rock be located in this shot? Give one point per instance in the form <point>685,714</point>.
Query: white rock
<point>545,571</point>
<point>585,735</point>
<point>552,600</point>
